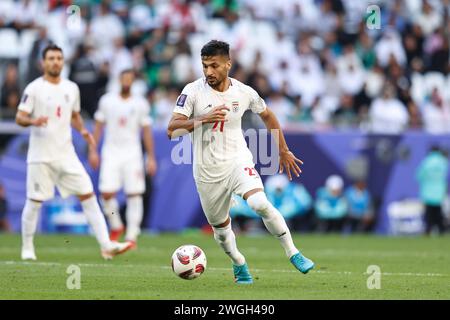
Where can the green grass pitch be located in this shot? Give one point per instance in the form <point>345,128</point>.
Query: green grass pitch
<point>411,268</point>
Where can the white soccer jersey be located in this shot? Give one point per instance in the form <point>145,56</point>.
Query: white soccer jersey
<point>123,119</point>
<point>57,102</point>
<point>218,146</point>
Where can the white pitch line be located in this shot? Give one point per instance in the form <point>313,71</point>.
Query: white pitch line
<point>96,265</point>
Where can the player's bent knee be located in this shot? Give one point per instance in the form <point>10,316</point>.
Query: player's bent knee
<point>108,196</point>
<point>259,203</point>
<point>83,197</point>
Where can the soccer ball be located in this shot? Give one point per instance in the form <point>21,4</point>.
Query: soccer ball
<point>188,262</point>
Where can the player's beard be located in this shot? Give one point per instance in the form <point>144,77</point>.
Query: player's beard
<point>55,73</point>
<point>125,91</point>
<point>214,82</point>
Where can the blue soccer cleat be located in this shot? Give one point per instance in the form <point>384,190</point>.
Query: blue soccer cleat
<point>301,263</point>
<point>242,275</point>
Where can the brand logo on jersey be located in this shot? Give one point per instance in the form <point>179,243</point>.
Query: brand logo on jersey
<point>66,97</point>
<point>181,100</point>
<point>235,106</point>
<point>208,106</point>
<point>24,98</point>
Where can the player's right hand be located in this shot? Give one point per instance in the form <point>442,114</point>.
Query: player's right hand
<point>40,122</point>
<point>216,114</point>
<point>94,159</point>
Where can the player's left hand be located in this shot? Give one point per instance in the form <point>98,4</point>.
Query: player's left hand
<point>288,162</point>
<point>89,138</point>
<point>151,166</point>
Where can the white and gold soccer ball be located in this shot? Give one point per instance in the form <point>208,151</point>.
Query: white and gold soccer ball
<point>188,262</point>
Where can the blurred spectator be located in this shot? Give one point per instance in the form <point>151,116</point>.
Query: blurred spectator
<point>436,114</point>
<point>4,225</point>
<point>144,18</point>
<point>306,75</point>
<point>6,13</point>
<point>413,44</point>
<point>10,92</point>
<point>105,28</point>
<point>331,206</point>
<point>436,47</point>
<point>83,71</point>
<point>119,59</point>
<point>26,13</point>
<point>301,115</point>
<point>163,102</point>
<point>183,15</point>
<point>292,200</point>
<point>350,70</point>
<point>221,8</point>
<point>345,115</point>
<point>390,47</point>
<point>388,114</point>
<point>360,210</point>
<point>281,105</point>
<point>35,57</point>
<point>429,19</point>
<point>432,175</point>
<point>364,50</point>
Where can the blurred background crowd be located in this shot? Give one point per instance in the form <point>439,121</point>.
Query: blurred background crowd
<point>316,62</point>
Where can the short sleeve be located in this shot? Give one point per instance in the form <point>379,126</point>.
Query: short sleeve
<point>185,101</point>
<point>76,103</point>
<point>99,115</point>
<point>27,100</point>
<point>145,119</point>
<point>257,104</point>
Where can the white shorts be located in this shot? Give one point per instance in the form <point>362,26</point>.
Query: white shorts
<point>68,175</point>
<point>116,173</point>
<point>216,197</point>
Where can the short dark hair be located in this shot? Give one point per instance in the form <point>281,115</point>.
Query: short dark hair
<point>215,48</point>
<point>50,47</point>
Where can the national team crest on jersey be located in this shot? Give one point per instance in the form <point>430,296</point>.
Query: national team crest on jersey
<point>181,100</point>
<point>235,106</point>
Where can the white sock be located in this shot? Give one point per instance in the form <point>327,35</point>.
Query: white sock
<point>30,217</point>
<point>227,240</point>
<point>273,220</point>
<point>97,221</point>
<point>135,211</point>
<point>111,209</point>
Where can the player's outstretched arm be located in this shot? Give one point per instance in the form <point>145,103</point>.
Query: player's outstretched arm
<point>180,124</point>
<point>23,119</point>
<point>288,161</point>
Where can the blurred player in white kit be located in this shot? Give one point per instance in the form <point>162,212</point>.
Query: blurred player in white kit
<point>123,116</point>
<point>51,106</point>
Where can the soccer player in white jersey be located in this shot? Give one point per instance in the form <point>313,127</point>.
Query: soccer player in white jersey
<point>211,109</point>
<point>124,116</point>
<point>51,105</point>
